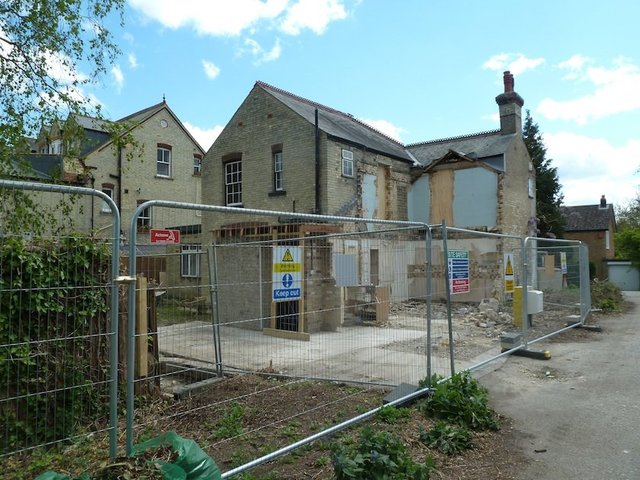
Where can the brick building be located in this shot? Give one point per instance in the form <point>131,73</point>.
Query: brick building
<point>282,152</point>
<point>165,164</point>
<point>595,225</point>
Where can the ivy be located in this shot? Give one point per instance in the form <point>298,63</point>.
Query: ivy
<point>53,310</point>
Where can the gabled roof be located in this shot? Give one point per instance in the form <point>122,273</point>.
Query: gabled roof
<point>339,124</point>
<point>143,115</point>
<point>583,218</point>
<point>476,145</point>
<point>454,157</point>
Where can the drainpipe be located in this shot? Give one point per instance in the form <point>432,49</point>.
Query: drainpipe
<point>120,179</point>
<point>317,209</point>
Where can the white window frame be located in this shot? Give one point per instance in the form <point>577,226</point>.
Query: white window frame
<point>278,172</point>
<point>197,165</point>
<point>233,183</point>
<point>607,240</point>
<point>190,260</point>
<point>347,163</point>
<point>163,160</point>
<point>144,219</point>
<point>106,208</point>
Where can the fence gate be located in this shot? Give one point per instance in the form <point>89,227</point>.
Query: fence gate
<point>58,315</point>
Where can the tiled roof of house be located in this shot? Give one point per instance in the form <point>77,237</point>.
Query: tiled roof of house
<point>339,124</point>
<point>38,166</point>
<point>477,145</point>
<point>587,218</point>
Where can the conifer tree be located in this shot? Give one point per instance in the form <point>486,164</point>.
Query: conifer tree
<point>548,188</point>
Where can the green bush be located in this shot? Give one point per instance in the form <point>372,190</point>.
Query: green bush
<point>461,400</point>
<point>377,456</point>
<point>606,296</point>
<point>53,304</point>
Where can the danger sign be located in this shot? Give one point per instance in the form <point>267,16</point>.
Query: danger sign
<point>508,273</point>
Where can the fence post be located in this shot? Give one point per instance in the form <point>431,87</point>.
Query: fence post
<point>447,273</point>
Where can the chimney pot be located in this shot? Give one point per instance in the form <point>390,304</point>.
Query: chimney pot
<point>603,202</point>
<point>509,83</point>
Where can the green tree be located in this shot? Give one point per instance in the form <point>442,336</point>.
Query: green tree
<point>627,237</point>
<point>50,52</point>
<point>548,188</point>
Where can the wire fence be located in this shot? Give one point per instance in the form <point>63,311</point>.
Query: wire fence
<point>58,319</point>
<point>223,321</point>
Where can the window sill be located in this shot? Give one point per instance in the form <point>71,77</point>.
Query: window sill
<point>277,193</point>
<point>163,177</point>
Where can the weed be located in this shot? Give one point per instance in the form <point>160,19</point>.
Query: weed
<point>461,400</point>
<point>447,438</point>
<point>230,425</point>
<point>393,414</point>
<point>377,456</point>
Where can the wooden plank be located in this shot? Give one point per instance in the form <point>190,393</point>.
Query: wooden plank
<point>288,334</point>
<point>142,350</point>
<point>382,304</point>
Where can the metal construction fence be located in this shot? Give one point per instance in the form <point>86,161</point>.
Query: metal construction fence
<point>58,317</point>
<point>222,319</point>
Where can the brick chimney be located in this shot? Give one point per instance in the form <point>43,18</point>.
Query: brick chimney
<point>510,105</point>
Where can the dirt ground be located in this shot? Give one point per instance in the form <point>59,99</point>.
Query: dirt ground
<point>245,417</point>
<point>284,412</point>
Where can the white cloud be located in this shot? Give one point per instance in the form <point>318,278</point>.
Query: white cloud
<point>118,77</point>
<point>210,69</point>
<point>386,127</point>
<point>260,54</point>
<point>133,60</point>
<point>312,14</point>
<point>574,66</point>
<point>615,91</point>
<point>205,137</point>
<point>516,63</point>
<point>589,167</point>
<point>233,17</point>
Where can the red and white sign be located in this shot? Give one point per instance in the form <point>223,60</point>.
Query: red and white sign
<point>161,235</point>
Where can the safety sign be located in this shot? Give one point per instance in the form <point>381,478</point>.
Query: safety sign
<point>287,273</point>
<point>508,273</point>
<point>458,262</point>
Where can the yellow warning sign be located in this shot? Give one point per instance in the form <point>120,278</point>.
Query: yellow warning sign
<point>287,257</point>
<point>509,277</point>
<point>508,270</point>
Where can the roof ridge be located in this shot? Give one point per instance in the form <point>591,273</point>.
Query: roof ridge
<point>329,109</point>
<point>144,110</point>
<point>458,137</point>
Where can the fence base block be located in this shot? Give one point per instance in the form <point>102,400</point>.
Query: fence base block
<point>589,328</point>
<point>400,391</point>
<point>535,354</point>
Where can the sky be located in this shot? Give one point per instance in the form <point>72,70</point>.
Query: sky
<point>418,70</point>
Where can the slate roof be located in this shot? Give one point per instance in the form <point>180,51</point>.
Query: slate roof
<point>482,145</point>
<point>38,166</point>
<point>587,218</point>
<point>476,145</point>
<point>339,124</point>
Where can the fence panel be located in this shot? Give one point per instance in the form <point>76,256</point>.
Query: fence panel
<point>58,316</point>
<point>475,275</point>
<point>273,306</point>
<point>558,277</point>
